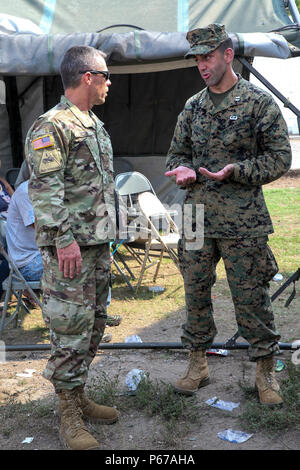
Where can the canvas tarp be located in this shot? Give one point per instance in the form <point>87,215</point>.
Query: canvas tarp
<point>61,16</point>
<point>151,80</point>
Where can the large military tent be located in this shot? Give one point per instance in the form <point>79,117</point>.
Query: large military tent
<point>145,44</point>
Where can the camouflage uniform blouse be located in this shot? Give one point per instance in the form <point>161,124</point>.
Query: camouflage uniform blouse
<point>246,129</point>
<point>71,185</point>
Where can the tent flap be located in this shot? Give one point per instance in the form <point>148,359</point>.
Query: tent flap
<point>31,54</point>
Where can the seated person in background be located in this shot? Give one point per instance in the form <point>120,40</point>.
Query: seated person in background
<point>20,235</point>
<point>23,174</point>
<point>6,191</point>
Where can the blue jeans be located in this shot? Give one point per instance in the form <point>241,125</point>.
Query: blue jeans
<point>33,270</point>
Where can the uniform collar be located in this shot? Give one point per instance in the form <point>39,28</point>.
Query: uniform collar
<point>87,119</point>
<point>235,97</point>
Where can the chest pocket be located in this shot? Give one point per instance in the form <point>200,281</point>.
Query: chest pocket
<point>237,131</point>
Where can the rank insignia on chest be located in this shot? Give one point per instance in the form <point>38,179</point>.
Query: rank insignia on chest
<point>42,142</point>
<point>233,117</point>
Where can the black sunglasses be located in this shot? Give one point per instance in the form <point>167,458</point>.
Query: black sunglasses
<point>105,73</point>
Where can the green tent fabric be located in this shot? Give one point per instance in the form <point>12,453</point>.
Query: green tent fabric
<point>61,16</point>
<point>151,80</point>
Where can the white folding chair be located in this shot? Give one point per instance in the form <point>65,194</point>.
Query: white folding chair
<point>163,233</point>
<point>138,200</point>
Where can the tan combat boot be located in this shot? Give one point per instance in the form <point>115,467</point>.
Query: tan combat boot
<point>73,433</point>
<point>267,386</point>
<point>98,413</point>
<point>196,375</point>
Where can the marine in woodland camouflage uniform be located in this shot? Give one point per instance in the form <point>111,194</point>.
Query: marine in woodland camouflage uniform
<point>245,130</point>
<point>71,188</point>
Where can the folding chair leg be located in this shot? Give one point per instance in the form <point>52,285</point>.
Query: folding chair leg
<point>123,275</point>
<point>158,265</point>
<point>143,268</point>
<point>6,300</point>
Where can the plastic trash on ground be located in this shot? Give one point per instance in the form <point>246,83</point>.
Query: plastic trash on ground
<point>133,339</point>
<point>27,440</point>
<point>278,277</point>
<point>279,366</point>
<point>27,373</point>
<point>222,405</point>
<point>156,289</point>
<point>133,378</point>
<point>218,352</point>
<point>236,437</point>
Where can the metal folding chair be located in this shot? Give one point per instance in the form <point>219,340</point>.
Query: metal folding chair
<point>15,284</point>
<point>163,233</point>
<point>12,175</point>
<point>138,229</point>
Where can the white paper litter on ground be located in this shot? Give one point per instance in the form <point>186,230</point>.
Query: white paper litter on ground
<point>156,289</point>
<point>133,378</point>
<point>237,437</point>
<point>221,404</point>
<point>26,373</point>
<point>133,339</point>
<point>27,440</point>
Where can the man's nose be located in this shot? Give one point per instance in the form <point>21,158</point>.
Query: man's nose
<point>201,65</point>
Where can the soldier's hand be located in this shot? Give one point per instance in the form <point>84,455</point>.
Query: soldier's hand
<point>183,175</point>
<point>220,175</point>
<point>69,259</point>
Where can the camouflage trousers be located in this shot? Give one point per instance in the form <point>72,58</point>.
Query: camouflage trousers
<point>75,312</point>
<point>250,265</point>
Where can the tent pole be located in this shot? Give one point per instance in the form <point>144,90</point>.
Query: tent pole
<point>15,122</point>
<point>286,102</point>
<point>294,11</point>
<point>47,347</point>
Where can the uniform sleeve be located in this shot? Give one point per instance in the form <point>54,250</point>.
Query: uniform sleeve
<point>46,149</point>
<point>274,154</point>
<point>180,151</point>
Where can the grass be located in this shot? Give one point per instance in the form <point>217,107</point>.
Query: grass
<point>155,399</point>
<point>284,208</point>
<point>259,417</point>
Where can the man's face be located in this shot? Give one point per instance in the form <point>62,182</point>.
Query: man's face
<point>100,86</point>
<point>212,67</point>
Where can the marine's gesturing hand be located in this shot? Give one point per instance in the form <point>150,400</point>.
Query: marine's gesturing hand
<point>220,175</point>
<point>183,175</point>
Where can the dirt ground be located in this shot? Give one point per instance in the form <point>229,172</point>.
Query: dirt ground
<point>135,430</point>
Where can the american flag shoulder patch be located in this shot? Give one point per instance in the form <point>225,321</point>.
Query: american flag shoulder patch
<point>42,142</point>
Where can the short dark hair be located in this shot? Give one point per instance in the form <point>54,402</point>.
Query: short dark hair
<point>75,59</point>
<point>227,44</point>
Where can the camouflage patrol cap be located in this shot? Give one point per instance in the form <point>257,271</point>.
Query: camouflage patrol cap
<point>206,40</point>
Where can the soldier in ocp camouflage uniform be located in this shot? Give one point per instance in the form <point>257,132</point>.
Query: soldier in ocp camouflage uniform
<point>71,188</point>
<point>229,140</point>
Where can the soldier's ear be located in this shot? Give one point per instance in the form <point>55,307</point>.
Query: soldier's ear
<point>228,55</point>
<point>87,78</point>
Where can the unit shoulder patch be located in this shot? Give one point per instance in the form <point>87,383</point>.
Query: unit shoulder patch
<point>50,161</point>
